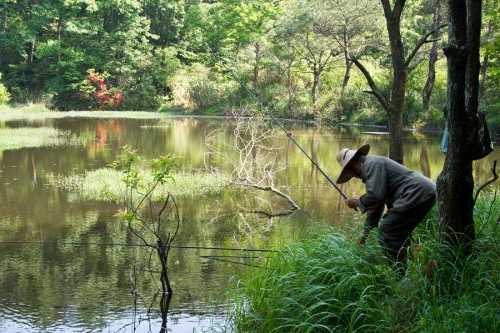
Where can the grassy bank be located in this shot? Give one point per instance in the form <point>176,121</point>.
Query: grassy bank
<point>29,137</point>
<point>330,284</point>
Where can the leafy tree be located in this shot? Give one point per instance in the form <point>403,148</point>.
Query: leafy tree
<point>316,51</point>
<point>401,59</point>
<point>4,94</point>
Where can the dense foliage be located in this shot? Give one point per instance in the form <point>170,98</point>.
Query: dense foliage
<point>291,57</point>
<point>329,284</point>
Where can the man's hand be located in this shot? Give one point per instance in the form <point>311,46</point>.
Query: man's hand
<point>352,203</point>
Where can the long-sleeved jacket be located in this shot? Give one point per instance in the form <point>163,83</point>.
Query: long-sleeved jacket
<point>390,183</point>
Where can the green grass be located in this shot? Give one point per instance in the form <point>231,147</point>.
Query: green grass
<point>106,184</point>
<point>32,112</point>
<point>330,284</point>
<point>29,137</point>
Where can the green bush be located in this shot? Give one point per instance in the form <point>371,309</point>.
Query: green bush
<point>329,284</point>
<point>4,94</point>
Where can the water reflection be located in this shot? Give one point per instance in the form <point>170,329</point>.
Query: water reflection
<point>56,286</point>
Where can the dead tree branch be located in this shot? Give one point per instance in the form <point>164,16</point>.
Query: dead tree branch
<point>371,82</point>
<point>255,163</point>
<point>492,180</point>
<point>423,40</point>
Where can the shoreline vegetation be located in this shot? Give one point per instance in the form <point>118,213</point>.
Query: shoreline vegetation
<point>107,185</point>
<point>328,283</point>
<point>34,112</point>
<point>31,137</point>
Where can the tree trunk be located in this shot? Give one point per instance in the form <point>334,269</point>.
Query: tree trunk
<point>433,57</point>
<point>256,67</point>
<point>456,183</point>
<point>400,76</point>
<point>396,135</point>
<point>314,89</point>
<point>289,85</point>
<point>347,76</point>
<point>486,59</point>
<point>396,108</point>
<point>348,64</point>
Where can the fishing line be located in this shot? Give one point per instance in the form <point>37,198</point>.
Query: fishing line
<point>291,138</point>
<point>182,247</point>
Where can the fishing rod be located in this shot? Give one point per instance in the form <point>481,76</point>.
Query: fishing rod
<point>291,138</point>
<point>289,135</point>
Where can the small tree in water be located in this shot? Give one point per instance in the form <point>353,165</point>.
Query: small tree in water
<point>154,223</point>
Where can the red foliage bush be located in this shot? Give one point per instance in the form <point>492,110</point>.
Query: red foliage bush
<point>104,97</point>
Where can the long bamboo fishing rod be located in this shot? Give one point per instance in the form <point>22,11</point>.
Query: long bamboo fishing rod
<point>291,138</point>
<point>289,135</point>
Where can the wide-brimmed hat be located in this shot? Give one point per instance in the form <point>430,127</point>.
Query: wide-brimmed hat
<point>344,156</point>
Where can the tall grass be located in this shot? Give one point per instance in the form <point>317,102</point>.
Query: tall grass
<point>330,284</point>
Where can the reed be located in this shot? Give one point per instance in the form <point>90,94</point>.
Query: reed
<point>329,284</point>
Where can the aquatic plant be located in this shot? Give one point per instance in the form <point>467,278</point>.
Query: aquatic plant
<point>106,184</point>
<point>29,137</point>
<point>330,284</point>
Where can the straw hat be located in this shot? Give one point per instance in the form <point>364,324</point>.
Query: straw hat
<point>344,156</point>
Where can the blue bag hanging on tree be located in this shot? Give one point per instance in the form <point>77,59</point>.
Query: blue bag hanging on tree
<point>444,139</point>
<point>482,142</point>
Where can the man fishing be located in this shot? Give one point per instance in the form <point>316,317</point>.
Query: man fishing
<point>408,195</point>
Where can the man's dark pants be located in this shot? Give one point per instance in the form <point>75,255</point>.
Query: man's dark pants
<point>396,228</point>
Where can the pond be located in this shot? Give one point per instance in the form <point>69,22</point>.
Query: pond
<point>59,272</point>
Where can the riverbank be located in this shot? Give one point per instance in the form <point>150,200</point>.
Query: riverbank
<point>35,112</point>
<point>328,283</point>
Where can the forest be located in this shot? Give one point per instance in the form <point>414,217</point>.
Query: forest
<point>300,59</point>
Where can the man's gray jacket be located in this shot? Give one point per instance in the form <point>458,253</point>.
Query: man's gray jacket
<point>390,183</point>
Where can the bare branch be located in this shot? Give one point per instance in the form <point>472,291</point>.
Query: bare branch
<point>423,40</point>
<point>374,89</point>
<point>492,180</point>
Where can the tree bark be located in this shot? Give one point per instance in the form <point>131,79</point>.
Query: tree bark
<point>456,183</point>
<point>400,76</point>
<point>256,67</point>
<point>433,57</point>
<point>347,76</point>
<point>348,63</point>
<point>314,89</point>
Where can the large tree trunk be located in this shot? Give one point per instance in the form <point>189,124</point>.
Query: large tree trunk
<point>400,76</point>
<point>456,183</point>
<point>433,57</point>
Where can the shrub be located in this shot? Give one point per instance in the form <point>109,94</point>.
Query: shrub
<point>198,88</point>
<point>4,94</point>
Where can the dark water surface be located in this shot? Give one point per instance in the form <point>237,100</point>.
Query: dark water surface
<point>55,286</point>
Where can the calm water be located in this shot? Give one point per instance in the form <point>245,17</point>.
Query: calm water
<point>53,286</point>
